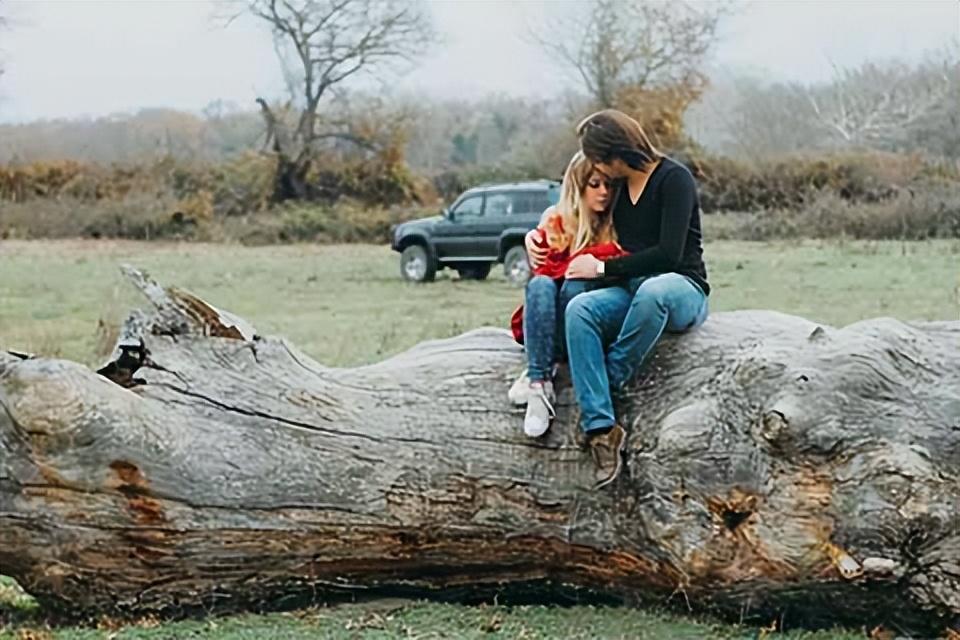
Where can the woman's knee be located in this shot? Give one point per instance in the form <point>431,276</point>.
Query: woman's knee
<point>541,283</point>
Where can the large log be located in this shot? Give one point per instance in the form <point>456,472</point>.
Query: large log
<point>774,465</point>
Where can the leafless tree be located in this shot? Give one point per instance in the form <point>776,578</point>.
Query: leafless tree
<point>619,44</point>
<point>894,105</point>
<point>876,105</point>
<point>750,118</point>
<point>322,44</point>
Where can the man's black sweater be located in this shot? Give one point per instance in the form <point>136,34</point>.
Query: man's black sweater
<point>662,231</point>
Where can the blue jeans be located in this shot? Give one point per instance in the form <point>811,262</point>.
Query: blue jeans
<point>610,332</point>
<point>543,312</point>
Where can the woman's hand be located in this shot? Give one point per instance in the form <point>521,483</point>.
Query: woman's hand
<point>582,268</point>
<point>536,254</point>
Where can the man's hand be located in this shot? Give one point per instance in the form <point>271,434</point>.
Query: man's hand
<point>582,268</point>
<point>535,254</point>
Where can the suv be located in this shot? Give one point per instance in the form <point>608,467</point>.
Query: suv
<point>484,225</point>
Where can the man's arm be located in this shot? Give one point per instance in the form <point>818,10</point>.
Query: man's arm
<point>536,254</point>
<point>549,211</point>
<point>679,196</point>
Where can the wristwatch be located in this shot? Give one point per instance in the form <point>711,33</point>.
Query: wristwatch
<point>601,268</point>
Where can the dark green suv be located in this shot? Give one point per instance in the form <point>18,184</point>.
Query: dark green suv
<point>483,226</point>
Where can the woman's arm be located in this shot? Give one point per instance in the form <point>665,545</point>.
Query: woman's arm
<point>679,192</point>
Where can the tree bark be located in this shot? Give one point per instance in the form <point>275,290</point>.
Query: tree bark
<point>774,467</point>
<point>293,160</point>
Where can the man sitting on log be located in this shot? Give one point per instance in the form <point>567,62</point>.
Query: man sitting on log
<point>662,282</point>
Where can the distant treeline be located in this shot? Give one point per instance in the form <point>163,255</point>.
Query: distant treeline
<point>875,154</point>
<point>893,107</point>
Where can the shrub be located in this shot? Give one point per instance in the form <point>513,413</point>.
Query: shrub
<point>451,183</point>
<point>727,185</point>
<point>346,221</point>
<point>928,209</point>
<point>872,195</point>
<point>138,217</point>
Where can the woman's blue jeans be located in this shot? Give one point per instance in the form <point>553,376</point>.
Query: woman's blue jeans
<point>544,304</point>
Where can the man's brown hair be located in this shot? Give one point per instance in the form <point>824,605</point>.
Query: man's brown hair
<point>609,134</point>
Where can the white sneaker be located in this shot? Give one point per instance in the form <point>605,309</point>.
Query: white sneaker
<point>520,390</point>
<point>539,409</point>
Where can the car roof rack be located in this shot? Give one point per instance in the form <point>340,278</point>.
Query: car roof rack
<point>518,184</point>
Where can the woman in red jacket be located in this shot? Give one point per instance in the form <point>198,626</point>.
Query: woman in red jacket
<point>579,224</point>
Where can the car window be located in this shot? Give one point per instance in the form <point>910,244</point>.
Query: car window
<point>470,207</point>
<point>517,203</point>
<point>521,202</point>
<point>539,201</point>
<point>543,200</point>
<point>501,204</point>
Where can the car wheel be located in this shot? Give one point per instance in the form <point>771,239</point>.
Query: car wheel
<point>516,267</point>
<point>474,271</point>
<point>416,264</point>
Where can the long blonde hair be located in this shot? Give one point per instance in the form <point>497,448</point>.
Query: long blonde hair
<point>591,227</point>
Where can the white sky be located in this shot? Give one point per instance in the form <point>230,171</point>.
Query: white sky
<point>71,58</point>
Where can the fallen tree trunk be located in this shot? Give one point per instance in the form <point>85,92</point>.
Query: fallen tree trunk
<point>773,466</point>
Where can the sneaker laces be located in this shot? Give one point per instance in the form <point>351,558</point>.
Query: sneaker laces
<point>538,390</point>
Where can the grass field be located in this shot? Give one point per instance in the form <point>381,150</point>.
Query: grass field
<point>421,620</point>
<point>346,305</point>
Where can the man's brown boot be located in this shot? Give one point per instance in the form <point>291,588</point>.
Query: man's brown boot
<point>607,451</point>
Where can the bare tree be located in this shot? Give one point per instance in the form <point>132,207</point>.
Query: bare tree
<point>322,44</point>
<point>750,118</point>
<point>895,106</point>
<point>876,105</point>
<point>621,44</point>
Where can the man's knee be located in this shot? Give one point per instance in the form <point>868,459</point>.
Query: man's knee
<point>650,296</point>
<point>579,311</point>
<point>658,291</point>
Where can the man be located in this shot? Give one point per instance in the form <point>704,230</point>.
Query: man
<point>663,282</point>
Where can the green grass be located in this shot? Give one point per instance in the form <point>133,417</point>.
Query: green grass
<point>346,305</point>
<point>418,619</point>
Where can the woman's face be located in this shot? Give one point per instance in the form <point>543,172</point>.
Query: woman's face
<point>596,193</point>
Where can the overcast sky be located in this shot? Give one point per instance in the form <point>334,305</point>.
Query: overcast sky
<point>85,57</point>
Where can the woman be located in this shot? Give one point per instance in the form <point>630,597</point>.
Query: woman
<point>578,225</point>
<point>656,214</point>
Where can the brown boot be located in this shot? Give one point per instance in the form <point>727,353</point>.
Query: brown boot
<point>607,451</point>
